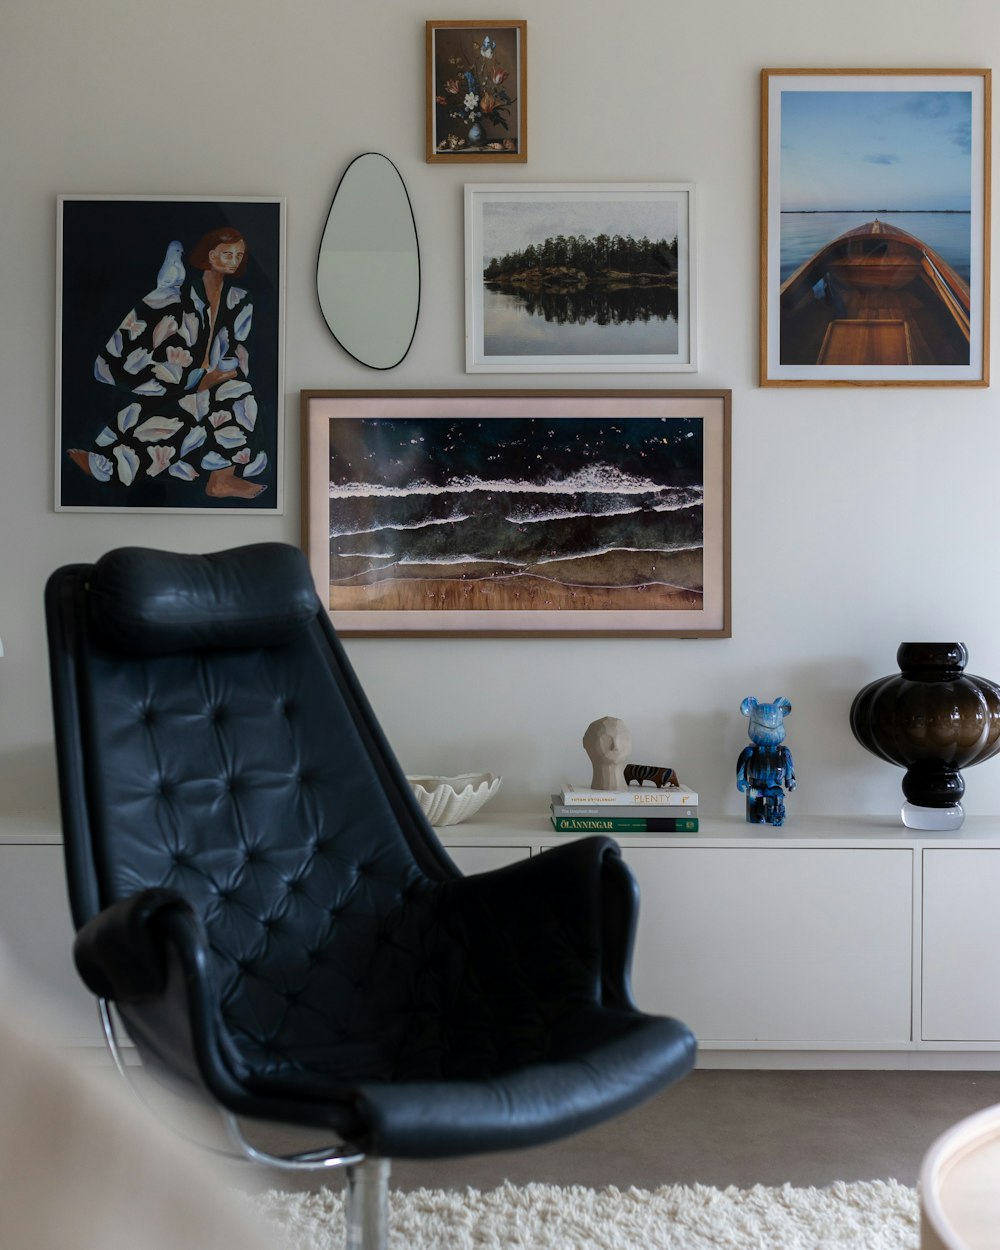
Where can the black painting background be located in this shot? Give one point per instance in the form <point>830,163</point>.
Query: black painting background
<point>111,253</point>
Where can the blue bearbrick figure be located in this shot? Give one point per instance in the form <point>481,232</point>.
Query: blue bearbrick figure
<point>766,766</point>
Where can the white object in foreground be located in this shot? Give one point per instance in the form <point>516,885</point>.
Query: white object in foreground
<point>960,1186</point>
<point>448,800</point>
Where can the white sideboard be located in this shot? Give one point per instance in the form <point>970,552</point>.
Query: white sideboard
<point>831,942</point>
<point>36,932</point>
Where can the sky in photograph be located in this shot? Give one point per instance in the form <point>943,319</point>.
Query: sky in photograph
<point>908,150</point>
<point>511,225</point>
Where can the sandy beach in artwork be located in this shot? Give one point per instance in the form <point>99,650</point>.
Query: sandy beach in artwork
<point>498,594</point>
<point>612,580</point>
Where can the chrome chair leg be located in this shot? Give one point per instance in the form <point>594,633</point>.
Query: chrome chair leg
<point>366,1205</point>
<point>340,1155</point>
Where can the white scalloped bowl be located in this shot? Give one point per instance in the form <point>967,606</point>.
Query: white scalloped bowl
<point>448,800</point>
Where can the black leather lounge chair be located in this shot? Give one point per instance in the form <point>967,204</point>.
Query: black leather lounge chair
<point>258,893</point>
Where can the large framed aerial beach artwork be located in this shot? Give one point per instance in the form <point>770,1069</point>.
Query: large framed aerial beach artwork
<point>875,227</point>
<point>477,91</point>
<point>571,278</point>
<point>169,354</point>
<point>519,512</point>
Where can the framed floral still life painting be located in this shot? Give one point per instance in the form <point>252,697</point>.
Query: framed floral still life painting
<point>169,354</point>
<point>579,277</point>
<point>477,91</point>
<point>874,256</point>
<point>519,512</point>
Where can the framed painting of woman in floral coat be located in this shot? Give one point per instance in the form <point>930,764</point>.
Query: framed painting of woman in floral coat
<point>168,379</point>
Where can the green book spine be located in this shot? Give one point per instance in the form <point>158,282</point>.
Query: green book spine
<point>625,824</point>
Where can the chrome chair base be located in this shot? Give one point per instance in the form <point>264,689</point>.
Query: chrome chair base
<point>366,1200</point>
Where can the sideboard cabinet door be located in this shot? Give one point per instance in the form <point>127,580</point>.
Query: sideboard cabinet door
<point>775,945</point>
<point>472,859</point>
<point>960,998</point>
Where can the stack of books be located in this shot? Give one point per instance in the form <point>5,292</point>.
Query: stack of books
<point>637,809</point>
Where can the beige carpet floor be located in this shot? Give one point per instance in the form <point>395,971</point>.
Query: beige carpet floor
<point>877,1215</point>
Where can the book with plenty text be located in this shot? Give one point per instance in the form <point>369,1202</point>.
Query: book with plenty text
<point>619,809</point>
<point>631,796</point>
<point>625,824</point>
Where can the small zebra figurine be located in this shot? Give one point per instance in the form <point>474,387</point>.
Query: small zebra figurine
<point>642,773</point>
<point>766,766</point>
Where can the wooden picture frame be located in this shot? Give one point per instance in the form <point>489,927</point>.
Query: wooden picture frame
<point>519,513</point>
<point>875,227</point>
<point>580,277</point>
<point>477,91</point>
<point>169,354</point>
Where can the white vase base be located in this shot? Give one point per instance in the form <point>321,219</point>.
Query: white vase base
<point>915,817</point>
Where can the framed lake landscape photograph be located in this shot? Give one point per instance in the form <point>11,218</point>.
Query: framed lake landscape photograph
<point>169,354</point>
<point>477,91</point>
<point>519,512</point>
<point>577,278</point>
<point>875,235</point>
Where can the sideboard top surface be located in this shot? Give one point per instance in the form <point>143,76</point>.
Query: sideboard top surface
<point>496,827</point>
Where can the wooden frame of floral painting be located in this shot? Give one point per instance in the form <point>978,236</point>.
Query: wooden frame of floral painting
<point>519,513</point>
<point>169,337</point>
<point>477,91</point>
<point>580,277</point>
<point>875,227</point>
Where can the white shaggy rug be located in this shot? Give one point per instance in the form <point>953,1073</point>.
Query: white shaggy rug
<point>862,1215</point>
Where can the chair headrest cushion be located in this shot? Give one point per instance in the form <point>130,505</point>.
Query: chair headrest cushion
<point>147,602</point>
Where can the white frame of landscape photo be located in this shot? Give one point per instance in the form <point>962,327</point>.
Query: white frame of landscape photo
<point>431,513</point>
<point>506,219</point>
<point>863,152</point>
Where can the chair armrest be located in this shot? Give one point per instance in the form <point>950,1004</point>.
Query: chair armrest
<point>119,953</point>
<point>149,955</point>
<point>575,904</point>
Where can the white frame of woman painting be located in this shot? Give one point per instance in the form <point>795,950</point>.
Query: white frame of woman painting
<point>169,334</point>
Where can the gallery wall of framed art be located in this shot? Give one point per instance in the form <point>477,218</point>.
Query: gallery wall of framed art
<point>844,497</point>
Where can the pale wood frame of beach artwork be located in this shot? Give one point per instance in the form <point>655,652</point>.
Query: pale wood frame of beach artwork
<point>972,309</point>
<point>517,89</point>
<point>483,603</point>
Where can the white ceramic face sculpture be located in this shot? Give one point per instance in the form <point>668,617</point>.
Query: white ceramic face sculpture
<point>608,743</point>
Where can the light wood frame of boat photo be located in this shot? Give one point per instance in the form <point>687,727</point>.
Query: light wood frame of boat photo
<point>849,295</point>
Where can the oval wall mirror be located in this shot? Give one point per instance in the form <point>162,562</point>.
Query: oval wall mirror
<point>368,275</point>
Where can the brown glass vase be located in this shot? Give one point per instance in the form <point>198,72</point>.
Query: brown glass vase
<point>933,719</point>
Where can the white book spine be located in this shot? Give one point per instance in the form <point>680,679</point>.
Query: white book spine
<point>634,796</point>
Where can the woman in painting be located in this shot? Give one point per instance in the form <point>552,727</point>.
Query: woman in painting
<point>181,360</point>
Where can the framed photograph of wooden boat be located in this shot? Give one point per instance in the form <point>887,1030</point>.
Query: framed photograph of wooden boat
<point>875,235</point>
<point>524,513</point>
<point>574,278</point>
<point>477,91</point>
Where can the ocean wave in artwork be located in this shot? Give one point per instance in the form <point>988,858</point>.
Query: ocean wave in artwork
<point>591,479</point>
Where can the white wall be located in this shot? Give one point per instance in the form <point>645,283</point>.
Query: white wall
<point>861,517</point>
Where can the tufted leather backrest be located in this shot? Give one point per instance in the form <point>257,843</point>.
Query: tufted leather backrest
<point>214,741</point>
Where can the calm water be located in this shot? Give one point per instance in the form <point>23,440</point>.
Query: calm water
<point>637,321</point>
<point>803,234</point>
